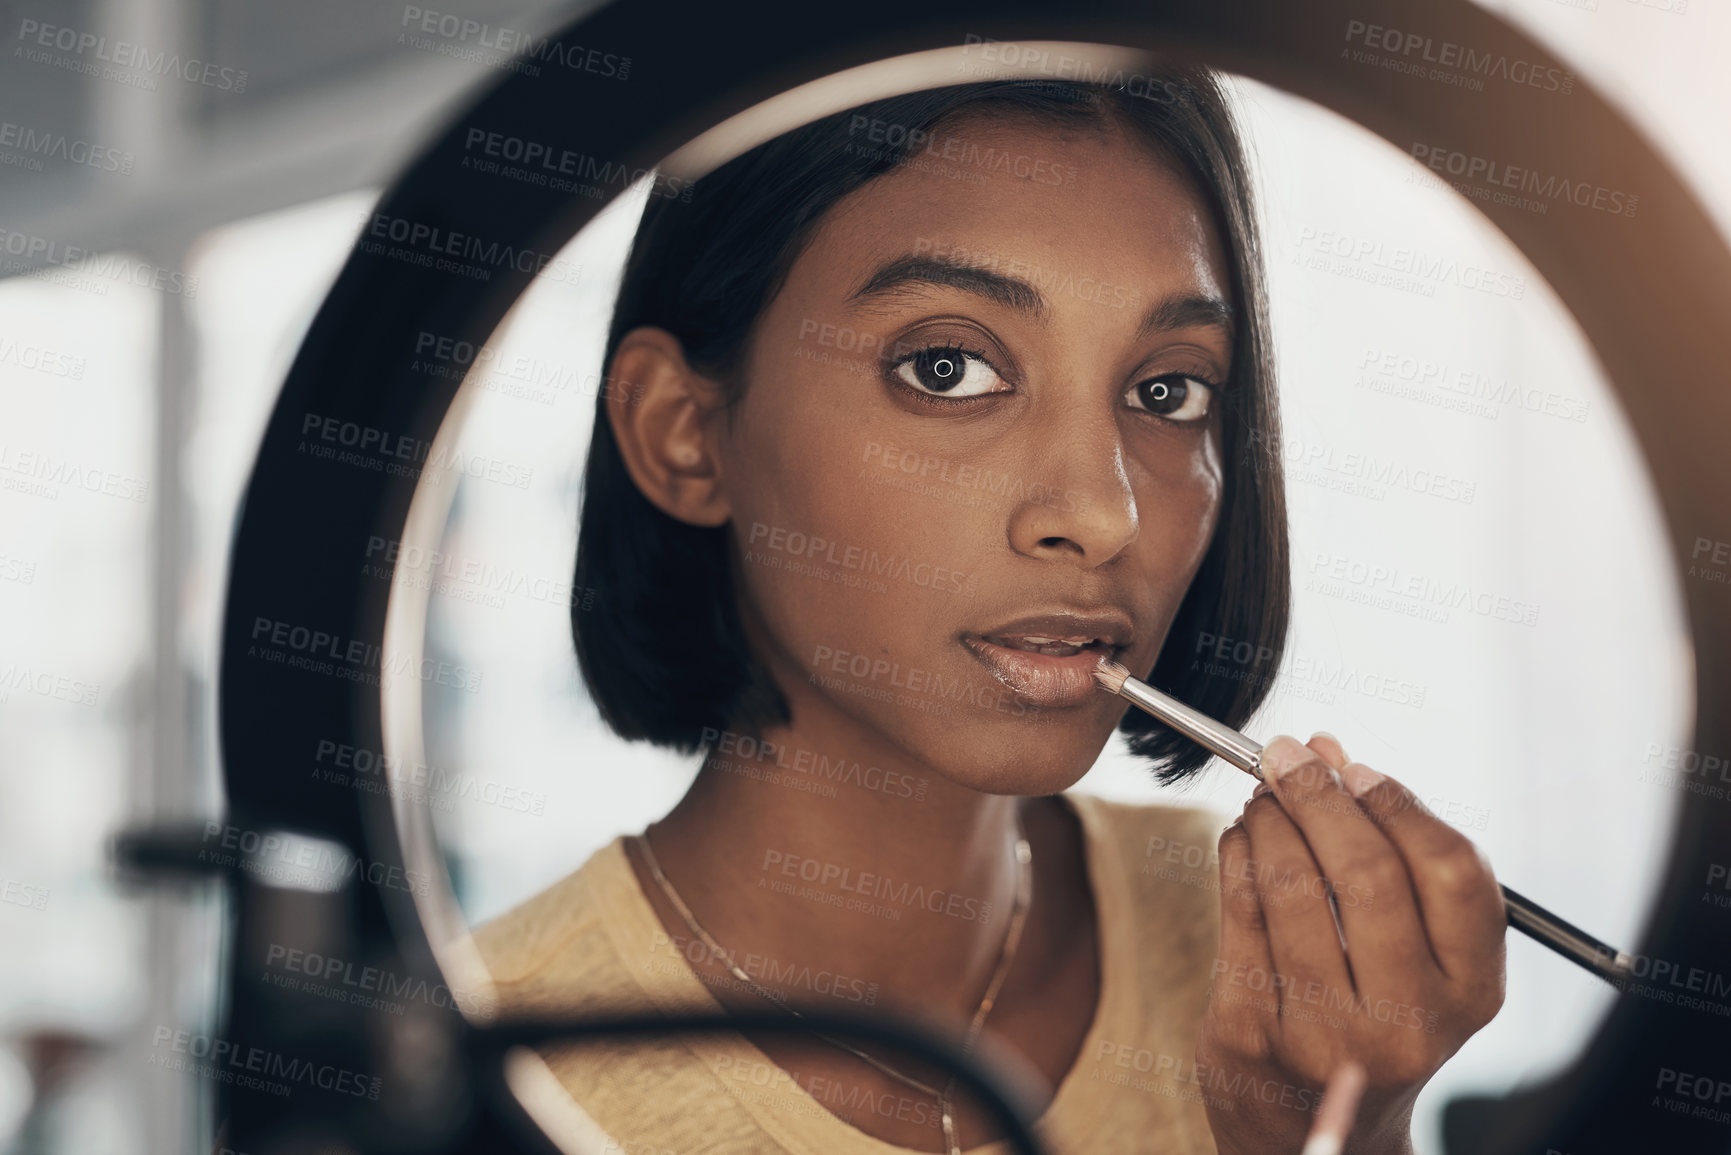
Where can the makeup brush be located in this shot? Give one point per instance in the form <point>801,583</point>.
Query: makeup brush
<point>1526,916</point>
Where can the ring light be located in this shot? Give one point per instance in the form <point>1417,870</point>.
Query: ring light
<point>1650,291</point>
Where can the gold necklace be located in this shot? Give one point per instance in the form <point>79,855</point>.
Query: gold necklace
<point>1012,940</point>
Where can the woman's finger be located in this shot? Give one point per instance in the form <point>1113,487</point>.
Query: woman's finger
<point>1301,930</point>
<point>1329,749</point>
<point>1326,746</point>
<point>1379,911</point>
<point>1244,1017</point>
<point>1459,901</point>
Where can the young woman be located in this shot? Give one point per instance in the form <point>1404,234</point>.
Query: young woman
<point>932,404</point>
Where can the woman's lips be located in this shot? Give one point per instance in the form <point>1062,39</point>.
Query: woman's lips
<point>1061,676</point>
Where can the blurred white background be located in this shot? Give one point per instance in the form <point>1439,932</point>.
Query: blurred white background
<point>129,415</point>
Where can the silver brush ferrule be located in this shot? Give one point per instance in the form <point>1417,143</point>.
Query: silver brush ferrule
<point>1222,740</point>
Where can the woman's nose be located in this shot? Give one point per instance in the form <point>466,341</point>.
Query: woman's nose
<point>1085,512</point>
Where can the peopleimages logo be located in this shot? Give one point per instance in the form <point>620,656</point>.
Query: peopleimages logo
<point>1386,586</point>
<point>1236,1086</point>
<point>963,476</point>
<point>34,143</point>
<point>47,473</point>
<point>322,652</point>
<point>1051,282</point>
<point>228,1062</point>
<point>746,748</point>
<point>1458,60</point>
<point>38,251</point>
<point>929,691</point>
<point>778,975</point>
<point>803,547</point>
<point>459,31</point>
<point>436,247</point>
<point>541,163</point>
<point>470,579</point>
<point>1031,60</point>
<point>1354,472</point>
<point>122,54</point>
<point>362,768</point>
<point>399,454</point>
<point>878,886</point>
<point>24,894</point>
<point>367,986</point>
<point>1464,389</point>
<point>1413,270</point>
<point>955,149</point>
<point>1472,169</point>
<point>60,687</point>
<point>1692,1093</point>
<point>41,359</point>
<point>299,862</point>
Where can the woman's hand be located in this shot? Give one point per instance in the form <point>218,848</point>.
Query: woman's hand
<point>1421,969</point>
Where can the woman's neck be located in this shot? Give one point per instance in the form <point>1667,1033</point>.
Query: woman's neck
<point>835,850</point>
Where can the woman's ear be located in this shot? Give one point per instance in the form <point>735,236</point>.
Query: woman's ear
<point>666,426</point>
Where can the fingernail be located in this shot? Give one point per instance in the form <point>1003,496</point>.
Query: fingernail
<point>1359,778</point>
<point>1261,789</point>
<point>1280,756</point>
<point>1330,737</point>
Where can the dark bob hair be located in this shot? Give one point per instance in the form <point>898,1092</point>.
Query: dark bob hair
<point>663,652</point>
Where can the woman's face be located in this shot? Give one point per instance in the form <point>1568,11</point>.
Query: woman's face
<point>979,446</point>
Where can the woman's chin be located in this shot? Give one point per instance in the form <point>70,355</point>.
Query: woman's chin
<point>1029,773</point>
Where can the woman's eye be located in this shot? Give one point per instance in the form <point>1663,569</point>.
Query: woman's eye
<point>949,372</point>
<point>1174,396</point>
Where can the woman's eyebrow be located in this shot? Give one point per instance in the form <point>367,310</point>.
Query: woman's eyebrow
<point>908,273</point>
<point>911,271</point>
<point>1187,311</point>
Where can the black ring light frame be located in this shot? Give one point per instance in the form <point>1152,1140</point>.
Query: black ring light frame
<point>1651,292</point>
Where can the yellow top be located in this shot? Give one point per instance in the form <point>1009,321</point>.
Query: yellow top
<point>592,942</point>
